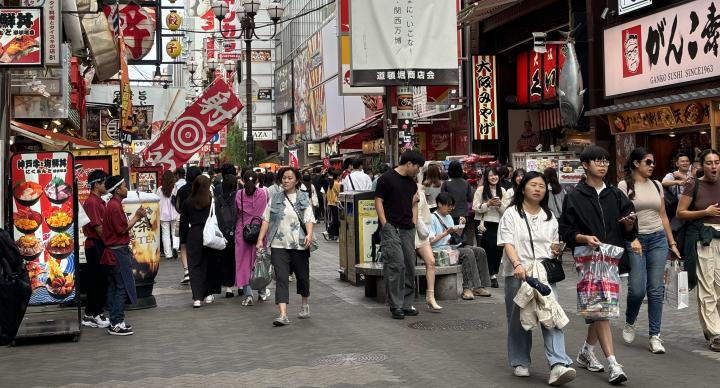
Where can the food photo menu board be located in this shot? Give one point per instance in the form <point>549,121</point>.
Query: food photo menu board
<point>44,223</point>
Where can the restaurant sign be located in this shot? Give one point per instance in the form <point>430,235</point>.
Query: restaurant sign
<point>671,47</point>
<point>485,115</point>
<point>21,37</point>
<point>679,115</point>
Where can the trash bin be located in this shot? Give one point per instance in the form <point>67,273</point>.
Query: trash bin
<point>145,245</point>
<point>358,222</point>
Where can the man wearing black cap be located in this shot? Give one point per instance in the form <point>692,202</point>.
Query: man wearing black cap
<point>93,276</point>
<point>117,255</point>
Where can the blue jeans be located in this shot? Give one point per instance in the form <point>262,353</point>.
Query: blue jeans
<point>519,341</point>
<point>116,295</point>
<point>646,276</point>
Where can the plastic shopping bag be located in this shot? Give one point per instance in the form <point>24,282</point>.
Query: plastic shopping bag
<point>677,294</point>
<point>598,290</point>
<point>212,235</point>
<point>262,273</point>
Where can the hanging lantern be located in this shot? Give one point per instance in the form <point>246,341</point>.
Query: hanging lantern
<point>138,26</point>
<point>174,48</point>
<point>173,21</point>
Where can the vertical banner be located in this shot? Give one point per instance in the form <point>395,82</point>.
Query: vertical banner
<point>293,158</point>
<point>44,223</point>
<point>550,72</point>
<point>536,77</point>
<point>125,91</point>
<point>344,41</point>
<point>52,28</point>
<point>484,98</point>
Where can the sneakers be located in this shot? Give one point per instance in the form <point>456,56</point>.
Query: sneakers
<point>229,293</point>
<point>209,299</point>
<point>628,333</point>
<point>715,344</point>
<point>281,320</point>
<point>521,371</point>
<point>247,300</point>
<point>588,361</point>
<point>96,321</point>
<point>481,292</point>
<point>655,344</point>
<point>186,278</point>
<point>263,295</point>
<point>304,311</point>
<point>494,283</point>
<point>291,278</point>
<point>467,295</point>
<point>560,374</point>
<point>617,375</point>
<point>119,329</point>
<point>197,304</point>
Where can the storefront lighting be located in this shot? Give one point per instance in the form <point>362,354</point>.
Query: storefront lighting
<point>672,134</point>
<point>703,132</point>
<point>57,122</point>
<point>12,140</point>
<point>55,130</point>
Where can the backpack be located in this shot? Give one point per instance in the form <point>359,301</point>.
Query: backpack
<point>671,200</point>
<point>226,214</point>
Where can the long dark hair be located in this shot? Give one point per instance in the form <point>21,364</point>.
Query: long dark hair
<point>551,177</point>
<point>168,183</point>
<point>200,196</point>
<point>487,192</point>
<point>250,178</point>
<point>519,196</point>
<point>229,185</point>
<point>514,177</point>
<point>637,155</point>
<point>432,176</point>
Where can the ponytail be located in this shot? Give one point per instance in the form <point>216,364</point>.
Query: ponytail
<point>250,180</point>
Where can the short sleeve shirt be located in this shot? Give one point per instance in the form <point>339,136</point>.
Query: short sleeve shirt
<point>95,209</point>
<point>115,224</point>
<point>397,192</point>
<point>513,230</point>
<point>708,194</point>
<point>437,228</point>
<point>647,201</point>
<point>288,232</point>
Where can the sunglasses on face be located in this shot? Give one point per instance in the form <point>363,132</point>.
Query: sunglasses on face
<point>649,162</point>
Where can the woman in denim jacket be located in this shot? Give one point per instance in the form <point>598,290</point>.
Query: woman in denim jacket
<point>288,223</point>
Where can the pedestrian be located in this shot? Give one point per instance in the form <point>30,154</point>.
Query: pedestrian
<point>226,214</point>
<point>674,183</point>
<point>333,230</point>
<point>529,234</point>
<point>183,192</point>
<point>698,206</point>
<point>517,177</point>
<point>476,275</point>
<point>504,172</point>
<point>488,206</point>
<point>319,181</point>
<point>461,192</point>
<point>424,248</point>
<point>356,180</point>
<point>168,214</point>
<point>288,223</point>
<point>117,255</point>
<point>383,169</point>
<point>432,185</point>
<point>203,262</point>
<point>95,275</point>
<point>225,170</point>
<point>179,178</point>
<point>271,184</point>
<point>556,193</point>
<point>396,204</point>
<point>596,213</point>
<point>250,204</point>
<point>309,189</point>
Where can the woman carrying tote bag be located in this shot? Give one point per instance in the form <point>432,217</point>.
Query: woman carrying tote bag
<point>250,203</point>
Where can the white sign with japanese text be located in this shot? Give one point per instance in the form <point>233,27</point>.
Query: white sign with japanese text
<point>672,47</point>
<point>403,42</point>
<point>485,115</point>
<point>625,6</point>
<point>51,32</point>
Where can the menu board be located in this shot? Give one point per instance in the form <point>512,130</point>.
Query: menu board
<point>146,179</point>
<point>570,171</point>
<point>44,223</point>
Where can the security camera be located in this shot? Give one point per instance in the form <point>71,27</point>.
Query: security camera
<point>607,11</point>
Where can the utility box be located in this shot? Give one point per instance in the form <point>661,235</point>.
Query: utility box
<point>358,222</point>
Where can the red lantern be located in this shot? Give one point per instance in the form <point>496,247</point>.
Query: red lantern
<point>138,27</point>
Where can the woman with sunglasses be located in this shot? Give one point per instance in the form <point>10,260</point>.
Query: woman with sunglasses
<point>649,251</point>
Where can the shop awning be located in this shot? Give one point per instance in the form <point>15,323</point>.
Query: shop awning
<point>352,138</point>
<point>550,119</point>
<point>51,138</point>
<point>483,9</point>
<point>652,102</point>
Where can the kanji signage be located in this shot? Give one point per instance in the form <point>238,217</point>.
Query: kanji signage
<point>485,115</point>
<point>420,34</point>
<point>343,17</point>
<point>51,30</point>
<point>538,73</point>
<point>21,37</point>
<point>671,47</point>
<point>201,121</point>
<point>681,115</point>
<point>284,88</point>
<point>138,28</point>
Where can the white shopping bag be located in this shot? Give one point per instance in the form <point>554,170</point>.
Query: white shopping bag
<point>677,294</point>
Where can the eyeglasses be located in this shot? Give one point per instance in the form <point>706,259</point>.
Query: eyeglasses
<point>602,162</point>
<point>649,162</point>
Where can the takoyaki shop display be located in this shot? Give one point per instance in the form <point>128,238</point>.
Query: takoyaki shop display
<point>44,223</point>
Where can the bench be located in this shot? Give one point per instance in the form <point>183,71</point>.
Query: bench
<point>448,280</point>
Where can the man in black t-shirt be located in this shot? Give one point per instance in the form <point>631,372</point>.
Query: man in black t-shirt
<point>396,202</point>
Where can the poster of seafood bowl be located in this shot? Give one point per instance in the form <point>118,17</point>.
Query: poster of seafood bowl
<point>21,37</point>
<point>44,223</point>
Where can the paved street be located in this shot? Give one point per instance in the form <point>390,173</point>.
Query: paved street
<point>349,341</point>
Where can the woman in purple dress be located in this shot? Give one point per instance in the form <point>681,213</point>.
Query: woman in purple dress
<point>250,203</point>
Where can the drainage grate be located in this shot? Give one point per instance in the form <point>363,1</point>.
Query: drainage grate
<point>350,359</point>
<point>452,325</point>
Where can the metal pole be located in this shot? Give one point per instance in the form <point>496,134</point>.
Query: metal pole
<point>5,208</point>
<point>250,141</point>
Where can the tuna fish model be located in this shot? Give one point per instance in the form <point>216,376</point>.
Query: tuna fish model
<point>570,87</point>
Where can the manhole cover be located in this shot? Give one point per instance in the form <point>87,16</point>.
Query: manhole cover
<point>350,359</point>
<point>452,325</point>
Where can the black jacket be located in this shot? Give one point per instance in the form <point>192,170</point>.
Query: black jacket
<point>586,212</point>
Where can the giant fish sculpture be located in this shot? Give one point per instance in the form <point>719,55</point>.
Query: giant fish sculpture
<point>570,87</point>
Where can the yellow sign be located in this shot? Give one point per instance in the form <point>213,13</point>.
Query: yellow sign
<point>368,224</point>
<point>174,48</point>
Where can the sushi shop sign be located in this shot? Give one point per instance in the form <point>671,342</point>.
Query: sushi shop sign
<point>44,227</point>
<point>21,37</point>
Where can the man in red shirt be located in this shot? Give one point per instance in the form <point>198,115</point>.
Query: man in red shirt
<point>117,255</point>
<point>93,275</point>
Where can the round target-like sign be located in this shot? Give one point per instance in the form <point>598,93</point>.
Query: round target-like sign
<point>188,135</point>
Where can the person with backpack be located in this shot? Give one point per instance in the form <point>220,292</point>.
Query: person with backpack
<point>183,193</point>
<point>647,253</point>
<point>250,203</point>
<point>556,191</point>
<point>674,185</point>
<point>226,214</point>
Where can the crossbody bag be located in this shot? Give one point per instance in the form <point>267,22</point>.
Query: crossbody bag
<point>553,267</point>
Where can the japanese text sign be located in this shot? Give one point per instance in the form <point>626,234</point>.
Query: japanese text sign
<point>484,98</point>
<point>21,37</point>
<point>671,47</point>
<point>201,121</point>
<point>625,6</point>
<point>538,73</point>
<point>51,32</point>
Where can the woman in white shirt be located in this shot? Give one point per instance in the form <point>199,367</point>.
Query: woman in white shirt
<point>488,206</point>
<point>168,215</point>
<point>529,210</point>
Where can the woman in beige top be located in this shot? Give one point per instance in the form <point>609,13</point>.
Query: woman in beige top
<point>423,247</point>
<point>649,251</point>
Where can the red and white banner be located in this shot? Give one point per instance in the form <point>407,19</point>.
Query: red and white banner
<point>293,159</point>
<point>550,119</point>
<point>484,98</point>
<point>197,125</point>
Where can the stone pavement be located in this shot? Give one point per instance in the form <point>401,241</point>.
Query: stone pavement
<point>349,341</point>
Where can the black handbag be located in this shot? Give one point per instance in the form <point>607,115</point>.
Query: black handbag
<point>251,231</point>
<point>15,289</point>
<point>553,267</point>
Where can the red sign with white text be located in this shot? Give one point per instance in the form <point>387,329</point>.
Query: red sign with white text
<point>197,125</point>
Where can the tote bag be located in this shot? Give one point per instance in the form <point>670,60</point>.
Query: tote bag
<point>212,235</point>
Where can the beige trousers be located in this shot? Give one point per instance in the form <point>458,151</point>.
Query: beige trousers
<point>708,274</point>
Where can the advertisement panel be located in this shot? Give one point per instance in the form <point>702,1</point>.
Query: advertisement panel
<point>309,93</point>
<point>422,37</point>
<point>671,47</point>
<point>343,18</point>
<point>22,38</point>
<point>570,171</point>
<point>44,223</point>
<point>284,88</point>
<point>485,116</point>
<point>51,30</point>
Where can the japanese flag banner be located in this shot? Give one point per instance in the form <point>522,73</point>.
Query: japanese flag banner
<point>196,126</point>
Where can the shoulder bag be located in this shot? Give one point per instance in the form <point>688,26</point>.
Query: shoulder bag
<point>212,235</point>
<point>455,238</point>
<point>251,231</point>
<point>553,267</point>
<point>314,243</point>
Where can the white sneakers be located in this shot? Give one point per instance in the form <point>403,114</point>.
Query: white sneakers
<point>617,375</point>
<point>521,371</point>
<point>304,311</point>
<point>588,361</point>
<point>561,374</point>
<point>628,333</point>
<point>209,299</point>
<point>655,345</point>
<point>197,304</point>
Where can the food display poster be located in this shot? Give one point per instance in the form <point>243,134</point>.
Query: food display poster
<point>146,179</point>
<point>570,171</point>
<point>44,223</point>
<point>144,238</point>
<point>21,37</point>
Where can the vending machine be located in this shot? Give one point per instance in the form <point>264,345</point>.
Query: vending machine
<point>358,222</point>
